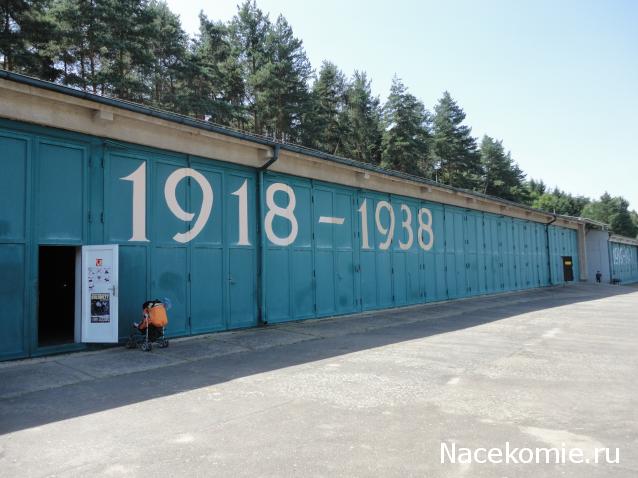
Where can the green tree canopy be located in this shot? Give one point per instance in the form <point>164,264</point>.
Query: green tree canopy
<point>501,175</point>
<point>362,117</point>
<point>613,211</point>
<point>328,105</point>
<point>454,153</point>
<point>405,140</point>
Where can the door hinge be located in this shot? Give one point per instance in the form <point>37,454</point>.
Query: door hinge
<point>189,277</point>
<point>90,219</point>
<point>102,217</point>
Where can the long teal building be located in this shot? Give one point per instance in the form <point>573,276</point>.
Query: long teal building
<point>236,230</point>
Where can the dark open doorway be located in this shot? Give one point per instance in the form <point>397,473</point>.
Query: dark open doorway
<point>568,268</point>
<point>56,295</point>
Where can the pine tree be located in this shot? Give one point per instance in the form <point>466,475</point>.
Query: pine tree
<point>454,153</point>
<point>328,102</point>
<point>249,30</point>
<point>501,176</point>
<point>211,82</point>
<point>362,121</point>
<point>282,83</point>
<point>26,33</point>
<point>81,42</point>
<point>406,137</point>
<point>169,43</point>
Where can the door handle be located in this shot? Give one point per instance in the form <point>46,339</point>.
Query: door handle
<point>114,290</point>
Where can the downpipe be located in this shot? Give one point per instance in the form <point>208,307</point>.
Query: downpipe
<point>263,320</point>
<point>549,255</point>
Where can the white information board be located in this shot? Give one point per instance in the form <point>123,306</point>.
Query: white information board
<point>99,293</point>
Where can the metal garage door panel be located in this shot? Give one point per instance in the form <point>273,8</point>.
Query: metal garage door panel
<point>471,253</point>
<point>450,254</point>
<point>414,286</point>
<point>324,211</point>
<point>242,288</point>
<point>169,272</point>
<point>169,258</point>
<point>509,271</point>
<point>165,224</point>
<point>213,233</point>
<point>303,289</point>
<point>503,254</point>
<point>344,284</point>
<point>278,285</point>
<point>12,304</point>
<point>62,169</point>
<point>325,278</point>
<point>482,251</point>
<point>384,279</point>
<point>13,187</point>
<point>383,257</point>
<point>459,247</point>
<point>344,244</point>
<point>434,259</point>
<point>207,290</point>
<point>400,279</point>
<point>207,266</point>
<point>303,284</point>
<point>13,223</point>
<point>368,280</point>
<point>290,293</point>
<point>492,270</point>
<point>407,276</point>
<point>119,196</point>
<point>133,284</point>
<point>240,243</point>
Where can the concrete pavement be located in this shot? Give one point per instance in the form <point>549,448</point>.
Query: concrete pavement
<point>367,395</point>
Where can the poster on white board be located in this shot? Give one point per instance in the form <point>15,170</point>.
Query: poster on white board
<point>100,294</point>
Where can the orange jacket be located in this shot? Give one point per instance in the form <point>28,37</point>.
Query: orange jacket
<point>154,315</point>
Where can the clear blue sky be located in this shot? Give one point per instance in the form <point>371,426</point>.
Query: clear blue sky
<point>557,81</point>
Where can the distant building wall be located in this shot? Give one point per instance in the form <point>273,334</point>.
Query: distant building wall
<point>597,255</point>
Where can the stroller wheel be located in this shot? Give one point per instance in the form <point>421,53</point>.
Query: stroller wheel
<point>130,343</point>
<point>163,343</point>
<point>146,346</point>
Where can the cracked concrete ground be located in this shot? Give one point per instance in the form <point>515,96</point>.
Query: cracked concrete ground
<point>367,395</point>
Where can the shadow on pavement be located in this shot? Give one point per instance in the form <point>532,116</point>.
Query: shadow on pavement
<point>82,384</point>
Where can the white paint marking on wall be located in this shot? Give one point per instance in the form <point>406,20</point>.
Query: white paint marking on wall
<point>453,381</point>
<point>551,333</point>
<point>331,220</point>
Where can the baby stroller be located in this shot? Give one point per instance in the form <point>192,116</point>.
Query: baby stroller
<point>151,329</point>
